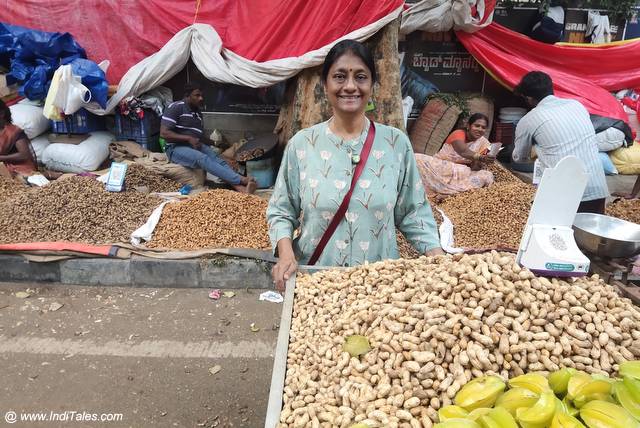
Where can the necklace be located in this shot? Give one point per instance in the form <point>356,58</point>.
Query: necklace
<point>355,142</point>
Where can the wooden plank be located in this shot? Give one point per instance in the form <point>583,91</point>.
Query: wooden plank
<point>280,358</point>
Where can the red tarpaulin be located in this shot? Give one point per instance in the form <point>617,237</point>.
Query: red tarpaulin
<point>586,74</point>
<point>127,31</point>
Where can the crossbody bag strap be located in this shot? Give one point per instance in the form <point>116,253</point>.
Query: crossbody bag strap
<point>342,210</point>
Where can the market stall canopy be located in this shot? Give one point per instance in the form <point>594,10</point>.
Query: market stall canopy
<point>256,44</point>
<point>586,74</point>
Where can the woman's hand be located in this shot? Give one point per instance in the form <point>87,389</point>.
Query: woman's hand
<point>434,252</point>
<point>286,266</point>
<point>283,270</point>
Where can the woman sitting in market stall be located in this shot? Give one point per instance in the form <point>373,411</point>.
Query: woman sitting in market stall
<point>319,166</point>
<point>16,152</point>
<point>457,166</point>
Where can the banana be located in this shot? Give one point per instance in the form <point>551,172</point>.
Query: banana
<point>498,418</point>
<point>532,381</point>
<point>451,412</point>
<point>559,380</point>
<point>626,399</point>
<point>602,414</point>
<point>577,380</point>
<point>564,420</point>
<point>540,414</point>
<point>457,423</point>
<point>474,415</point>
<point>516,398</point>
<point>480,392</point>
<point>630,369</point>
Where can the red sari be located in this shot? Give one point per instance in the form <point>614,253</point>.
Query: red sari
<point>9,137</point>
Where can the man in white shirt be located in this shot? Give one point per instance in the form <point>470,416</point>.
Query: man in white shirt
<point>558,128</point>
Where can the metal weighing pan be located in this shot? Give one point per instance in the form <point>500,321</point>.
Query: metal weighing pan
<point>606,236</point>
<point>262,144</point>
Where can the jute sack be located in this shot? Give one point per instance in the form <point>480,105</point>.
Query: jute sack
<point>157,162</point>
<point>434,125</point>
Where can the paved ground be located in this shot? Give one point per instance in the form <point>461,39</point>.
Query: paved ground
<point>145,353</point>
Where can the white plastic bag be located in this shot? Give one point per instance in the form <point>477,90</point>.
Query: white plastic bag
<point>84,157</point>
<point>610,139</point>
<point>71,95</point>
<point>29,118</point>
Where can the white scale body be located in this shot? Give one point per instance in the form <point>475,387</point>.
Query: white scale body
<point>548,247</point>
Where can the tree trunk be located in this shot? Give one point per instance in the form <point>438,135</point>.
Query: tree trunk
<point>306,104</point>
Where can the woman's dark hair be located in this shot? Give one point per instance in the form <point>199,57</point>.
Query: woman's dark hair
<point>477,116</point>
<point>352,47</point>
<point>190,87</point>
<point>536,85</point>
<point>5,112</point>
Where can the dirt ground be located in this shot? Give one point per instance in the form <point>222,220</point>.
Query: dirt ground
<point>158,357</point>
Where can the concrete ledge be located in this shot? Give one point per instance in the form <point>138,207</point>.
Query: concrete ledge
<point>18,269</point>
<point>216,272</point>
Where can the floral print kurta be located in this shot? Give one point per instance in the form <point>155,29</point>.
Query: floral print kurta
<point>314,176</point>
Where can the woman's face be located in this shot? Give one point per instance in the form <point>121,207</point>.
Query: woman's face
<point>477,129</point>
<point>348,85</point>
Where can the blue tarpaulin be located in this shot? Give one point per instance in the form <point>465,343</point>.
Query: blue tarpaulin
<point>33,56</point>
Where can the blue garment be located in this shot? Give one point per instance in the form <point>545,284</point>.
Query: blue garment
<point>205,158</point>
<point>316,173</point>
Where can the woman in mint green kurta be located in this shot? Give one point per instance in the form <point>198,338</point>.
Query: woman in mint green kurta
<point>316,171</point>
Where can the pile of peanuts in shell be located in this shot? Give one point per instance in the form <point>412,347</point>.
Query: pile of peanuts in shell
<point>139,176</point>
<point>76,209</point>
<point>213,219</point>
<point>625,209</point>
<point>434,324</point>
<point>10,188</point>
<point>491,217</point>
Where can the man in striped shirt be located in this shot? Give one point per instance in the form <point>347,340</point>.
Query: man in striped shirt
<point>182,128</point>
<point>559,128</point>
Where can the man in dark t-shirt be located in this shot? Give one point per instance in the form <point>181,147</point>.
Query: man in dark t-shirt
<point>187,145</point>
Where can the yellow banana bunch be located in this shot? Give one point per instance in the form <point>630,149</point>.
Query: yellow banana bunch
<point>480,392</point>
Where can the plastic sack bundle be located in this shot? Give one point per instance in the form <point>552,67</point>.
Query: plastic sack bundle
<point>33,56</point>
<point>84,157</point>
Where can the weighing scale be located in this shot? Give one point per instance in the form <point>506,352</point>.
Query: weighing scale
<point>548,247</point>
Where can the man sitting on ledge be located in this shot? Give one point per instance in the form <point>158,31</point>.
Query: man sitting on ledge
<point>182,128</point>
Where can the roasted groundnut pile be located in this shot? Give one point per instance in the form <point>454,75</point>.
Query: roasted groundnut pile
<point>626,209</point>
<point>139,176</point>
<point>492,217</point>
<point>74,209</point>
<point>214,219</point>
<point>501,174</point>
<point>10,188</point>
<point>432,327</point>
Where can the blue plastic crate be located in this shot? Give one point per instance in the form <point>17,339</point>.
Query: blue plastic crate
<point>81,122</point>
<point>130,129</point>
